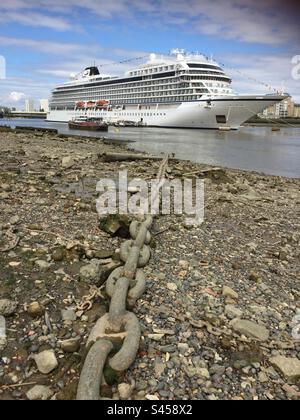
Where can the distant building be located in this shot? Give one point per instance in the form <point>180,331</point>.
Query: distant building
<point>44,105</point>
<point>281,109</point>
<point>29,105</point>
<point>297,111</point>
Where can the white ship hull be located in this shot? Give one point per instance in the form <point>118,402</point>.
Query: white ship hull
<point>196,114</point>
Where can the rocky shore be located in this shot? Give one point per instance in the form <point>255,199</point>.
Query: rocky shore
<point>221,314</point>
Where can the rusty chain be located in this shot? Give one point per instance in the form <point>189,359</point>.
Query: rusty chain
<point>115,338</point>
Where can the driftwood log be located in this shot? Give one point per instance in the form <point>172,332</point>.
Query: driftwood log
<point>119,157</point>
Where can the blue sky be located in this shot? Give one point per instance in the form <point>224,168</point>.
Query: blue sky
<point>44,42</point>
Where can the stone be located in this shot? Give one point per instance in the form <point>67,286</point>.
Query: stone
<point>262,377</point>
<point>125,391</point>
<point>172,286</point>
<point>289,367</point>
<point>35,309</point>
<point>159,367</point>
<point>102,253</point>
<point>184,264</point>
<point>96,272</point>
<point>46,361</point>
<point>255,277</point>
<point>43,265</point>
<point>67,162</point>
<point>228,292</point>
<point>3,340</point>
<point>233,312</point>
<point>70,346</point>
<point>39,392</point>
<point>14,220</point>
<point>7,307</point>
<point>115,224</point>
<point>183,348</point>
<point>58,254</point>
<point>90,271</point>
<point>250,329</point>
<point>68,315</point>
<point>203,373</point>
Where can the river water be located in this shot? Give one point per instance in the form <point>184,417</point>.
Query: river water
<point>249,148</point>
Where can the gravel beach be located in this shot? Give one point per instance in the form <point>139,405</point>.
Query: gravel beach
<point>221,314</point>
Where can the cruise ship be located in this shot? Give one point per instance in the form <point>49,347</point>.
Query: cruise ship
<point>176,91</point>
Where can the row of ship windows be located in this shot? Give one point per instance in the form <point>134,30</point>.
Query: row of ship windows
<point>113,95</point>
<point>95,95</point>
<point>165,91</point>
<point>126,84</point>
<point>152,70</point>
<point>137,100</point>
<point>169,68</point>
<point>133,101</point>
<point>139,90</point>
<point>147,83</point>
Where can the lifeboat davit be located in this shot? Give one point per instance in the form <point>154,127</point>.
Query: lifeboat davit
<point>80,105</point>
<point>90,104</point>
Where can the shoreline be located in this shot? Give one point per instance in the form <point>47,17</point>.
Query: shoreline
<point>241,265</point>
<point>126,144</point>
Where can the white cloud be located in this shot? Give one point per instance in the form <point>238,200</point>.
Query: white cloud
<point>266,22</point>
<point>16,96</point>
<point>47,46</point>
<point>36,19</point>
<point>250,72</point>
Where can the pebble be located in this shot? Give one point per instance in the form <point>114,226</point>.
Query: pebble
<point>35,309</point>
<point>14,220</point>
<point>46,361</point>
<point>68,315</point>
<point>172,286</point>
<point>71,345</point>
<point>7,307</point>
<point>125,391</point>
<point>289,367</point>
<point>67,162</point>
<point>233,312</point>
<point>250,329</point>
<point>228,292</point>
<point>39,392</point>
<point>3,340</point>
<point>43,265</point>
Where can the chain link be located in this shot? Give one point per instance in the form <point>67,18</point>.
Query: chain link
<point>119,327</point>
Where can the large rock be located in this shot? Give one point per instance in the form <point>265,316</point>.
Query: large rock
<point>7,307</point>
<point>39,392</point>
<point>116,224</point>
<point>250,329</point>
<point>289,367</point>
<point>46,361</point>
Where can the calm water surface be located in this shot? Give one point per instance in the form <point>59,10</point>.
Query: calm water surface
<point>249,148</point>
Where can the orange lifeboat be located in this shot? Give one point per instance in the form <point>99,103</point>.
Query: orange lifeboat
<point>80,105</point>
<point>90,104</point>
<point>102,103</point>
